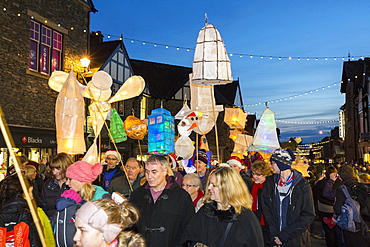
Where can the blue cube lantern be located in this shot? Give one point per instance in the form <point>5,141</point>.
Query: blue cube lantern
<point>161,132</point>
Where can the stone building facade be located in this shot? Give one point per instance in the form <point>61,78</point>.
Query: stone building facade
<point>37,37</point>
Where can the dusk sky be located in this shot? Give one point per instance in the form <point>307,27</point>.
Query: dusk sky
<point>268,28</point>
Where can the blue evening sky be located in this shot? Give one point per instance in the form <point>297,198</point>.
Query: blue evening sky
<point>277,28</point>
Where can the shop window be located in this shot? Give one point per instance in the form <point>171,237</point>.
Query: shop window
<point>46,47</point>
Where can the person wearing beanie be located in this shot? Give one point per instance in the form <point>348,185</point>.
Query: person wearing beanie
<point>201,162</point>
<point>287,203</point>
<point>111,170</point>
<point>80,176</point>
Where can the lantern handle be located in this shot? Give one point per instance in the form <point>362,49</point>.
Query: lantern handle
<point>206,18</point>
<point>267,104</point>
<point>133,111</point>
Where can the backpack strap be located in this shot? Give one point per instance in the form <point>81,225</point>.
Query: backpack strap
<point>345,191</point>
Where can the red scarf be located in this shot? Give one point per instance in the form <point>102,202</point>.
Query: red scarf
<point>255,205</point>
<point>200,195</point>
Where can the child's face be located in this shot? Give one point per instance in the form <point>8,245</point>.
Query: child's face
<point>86,236</point>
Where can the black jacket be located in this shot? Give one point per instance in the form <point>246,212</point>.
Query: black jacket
<point>50,193</point>
<point>208,227</point>
<point>300,211</point>
<point>17,211</point>
<point>163,222</point>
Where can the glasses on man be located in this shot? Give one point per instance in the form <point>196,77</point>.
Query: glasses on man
<point>188,185</point>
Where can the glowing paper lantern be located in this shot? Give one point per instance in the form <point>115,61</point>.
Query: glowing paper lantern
<point>161,132</point>
<point>211,65</point>
<point>57,80</point>
<point>234,133</point>
<point>69,118</point>
<point>235,118</point>
<point>265,139</point>
<point>116,129</point>
<point>183,112</point>
<point>184,148</point>
<point>242,142</point>
<point>135,128</point>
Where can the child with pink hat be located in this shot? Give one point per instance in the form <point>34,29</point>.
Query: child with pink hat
<point>80,176</point>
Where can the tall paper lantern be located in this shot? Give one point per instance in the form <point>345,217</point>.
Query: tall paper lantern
<point>211,65</point>
<point>265,139</point>
<point>161,132</point>
<point>235,118</point>
<point>69,118</point>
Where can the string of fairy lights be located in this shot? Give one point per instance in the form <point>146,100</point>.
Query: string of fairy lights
<point>293,96</point>
<point>17,13</point>
<point>241,55</point>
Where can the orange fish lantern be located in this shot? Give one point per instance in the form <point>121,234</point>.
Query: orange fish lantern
<point>135,128</point>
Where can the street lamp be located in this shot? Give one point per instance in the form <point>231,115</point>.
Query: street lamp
<point>85,62</point>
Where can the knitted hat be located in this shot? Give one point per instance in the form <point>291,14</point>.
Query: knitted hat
<point>114,153</point>
<point>235,161</point>
<point>202,156</point>
<point>84,172</point>
<point>283,158</point>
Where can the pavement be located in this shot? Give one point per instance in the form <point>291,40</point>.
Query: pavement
<point>316,230</point>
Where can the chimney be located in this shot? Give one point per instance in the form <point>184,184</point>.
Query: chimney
<point>96,37</point>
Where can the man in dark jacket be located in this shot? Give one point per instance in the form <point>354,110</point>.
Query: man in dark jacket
<point>165,208</point>
<point>349,179</point>
<point>121,184</point>
<point>287,203</point>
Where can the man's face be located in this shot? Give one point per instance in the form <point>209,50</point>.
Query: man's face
<point>132,169</point>
<point>111,161</point>
<point>274,167</point>
<point>155,175</point>
<point>200,166</point>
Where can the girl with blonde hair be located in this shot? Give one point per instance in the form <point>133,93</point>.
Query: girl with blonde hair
<point>80,176</point>
<point>226,218</point>
<point>105,223</point>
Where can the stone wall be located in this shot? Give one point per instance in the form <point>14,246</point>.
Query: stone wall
<point>25,96</point>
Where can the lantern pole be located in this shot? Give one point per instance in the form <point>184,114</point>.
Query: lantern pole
<point>10,144</point>
<point>115,146</point>
<point>216,132</point>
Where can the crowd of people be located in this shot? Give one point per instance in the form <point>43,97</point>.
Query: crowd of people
<point>156,203</point>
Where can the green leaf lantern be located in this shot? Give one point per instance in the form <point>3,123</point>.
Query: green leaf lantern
<point>116,129</point>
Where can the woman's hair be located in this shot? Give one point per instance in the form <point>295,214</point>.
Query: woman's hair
<point>61,161</point>
<point>194,178</point>
<point>87,191</point>
<point>261,167</point>
<point>364,178</point>
<point>233,190</point>
<point>11,188</point>
<point>124,215</point>
<point>330,170</point>
<point>29,171</point>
